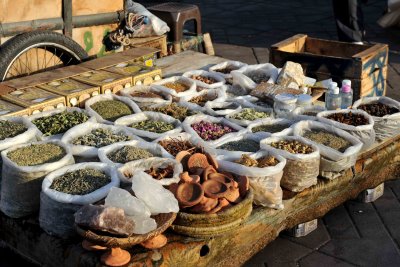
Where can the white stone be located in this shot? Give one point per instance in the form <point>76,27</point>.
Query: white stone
<point>143,224</point>
<point>120,198</point>
<point>153,194</point>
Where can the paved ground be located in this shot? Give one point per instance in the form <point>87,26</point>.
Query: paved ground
<point>353,234</point>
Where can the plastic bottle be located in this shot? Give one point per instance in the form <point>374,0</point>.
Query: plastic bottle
<point>346,94</point>
<point>333,99</point>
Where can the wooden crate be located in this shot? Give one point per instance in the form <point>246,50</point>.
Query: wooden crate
<point>8,109</point>
<point>364,65</point>
<point>141,75</point>
<point>158,42</point>
<point>35,98</point>
<point>75,93</point>
<point>107,81</point>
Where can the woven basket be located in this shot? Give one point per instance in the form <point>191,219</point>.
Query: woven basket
<point>163,220</point>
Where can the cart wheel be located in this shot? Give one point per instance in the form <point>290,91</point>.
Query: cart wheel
<point>36,51</point>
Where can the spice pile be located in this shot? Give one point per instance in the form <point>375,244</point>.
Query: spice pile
<point>60,122</point>
<point>173,110</point>
<point>211,131</point>
<point>161,173</point>
<point>227,69</point>
<point>328,139</point>
<point>175,145</point>
<point>270,128</point>
<point>293,146</point>
<point>80,182</point>
<point>207,80</point>
<point>378,109</point>
<point>153,126</point>
<point>267,161</point>
<point>100,137</point>
<point>245,145</point>
<point>349,118</point>
<point>250,114</point>
<point>9,129</point>
<point>111,110</point>
<point>146,95</point>
<point>201,100</point>
<point>36,154</point>
<point>177,86</point>
<point>129,153</point>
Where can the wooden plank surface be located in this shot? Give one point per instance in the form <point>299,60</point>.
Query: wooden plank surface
<point>22,10</point>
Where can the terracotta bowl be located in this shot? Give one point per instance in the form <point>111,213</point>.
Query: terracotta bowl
<point>214,189</point>
<point>205,205</point>
<point>189,194</point>
<point>222,178</point>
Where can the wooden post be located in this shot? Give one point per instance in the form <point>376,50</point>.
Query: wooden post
<point>67,17</point>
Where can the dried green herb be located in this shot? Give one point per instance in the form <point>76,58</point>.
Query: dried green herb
<point>173,110</point>
<point>270,128</point>
<point>245,145</point>
<point>36,154</point>
<point>80,182</point>
<point>153,126</point>
<point>328,139</point>
<point>60,122</point>
<point>129,153</point>
<point>111,110</point>
<point>250,114</point>
<point>10,129</point>
<point>100,137</point>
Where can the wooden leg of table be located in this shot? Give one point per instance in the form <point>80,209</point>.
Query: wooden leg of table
<point>116,257</point>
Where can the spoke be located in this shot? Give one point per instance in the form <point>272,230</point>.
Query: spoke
<point>52,55</point>
<point>37,58</point>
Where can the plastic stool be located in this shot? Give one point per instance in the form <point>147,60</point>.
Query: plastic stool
<point>175,15</point>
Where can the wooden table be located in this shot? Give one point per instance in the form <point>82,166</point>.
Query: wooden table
<point>380,163</point>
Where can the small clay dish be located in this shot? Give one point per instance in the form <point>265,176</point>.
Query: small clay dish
<point>244,185</point>
<point>227,174</point>
<point>185,177</point>
<point>205,205</point>
<point>183,158</point>
<point>196,171</point>
<point>214,189</point>
<point>173,187</point>
<point>222,202</point>
<point>223,179</point>
<point>233,195</point>
<point>207,171</point>
<point>189,194</point>
<point>212,160</point>
<point>197,160</point>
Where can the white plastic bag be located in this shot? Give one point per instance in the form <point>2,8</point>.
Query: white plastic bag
<point>301,170</point>
<point>145,101</point>
<point>271,121</point>
<point>241,77</point>
<point>127,121</point>
<point>128,170</point>
<point>215,95</point>
<point>234,65</point>
<point>29,135</point>
<point>310,113</point>
<point>177,136</point>
<point>90,152</point>
<point>246,123</point>
<point>57,209</point>
<point>365,133</point>
<point>133,106</point>
<point>264,181</point>
<point>21,185</point>
<point>220,81</point>
<point>53,112</point>
<point>332,161</point>
<point>159,85</point>
<point>385,126</point>
<point>223,153</point>
<point>153,148</point>
<point>187,126</point>
<point>222,109</point>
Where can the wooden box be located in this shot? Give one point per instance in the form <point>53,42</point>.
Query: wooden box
<point>364,65</point>
<point>8,109</point>
<point>141,75</point>
<point>158,42</point>
<point>36,99</point>
<point>107,81</point>
<point>75,93</point>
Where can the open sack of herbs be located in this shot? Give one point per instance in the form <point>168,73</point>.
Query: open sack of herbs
<point>338,149</point>
<point>271,127</point>
<point>248,115</point>
<point>221,109</point>
<point>176,86</point>
<point>144,95</point>
<point>174,110</point>
<point>386,114</point>
<point>238,145</point>
<point>198,101</point>
<point>123,152</point>
<point>150,125</point>
<point>175,143</point>
<point>54,123</point>
<point>210,130</point>
<point>85,139</point>
<point>24,167</point>
<point>205,79</point>
<point>356,122</point>
<point>66,190</point>
<point>250,76</point>
<point>225,68</point>
<point>15,131</point>
<point>309,113</point>
<point>302,160</point>
<point>264,170</point>
<point>108,108</point>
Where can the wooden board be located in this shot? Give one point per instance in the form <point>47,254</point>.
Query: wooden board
<point>10,109</point>
<point>107,81</point>
<point>88,7</point>
<point>158,42</point>
<point>22,10</point>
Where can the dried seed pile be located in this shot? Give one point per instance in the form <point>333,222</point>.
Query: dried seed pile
<point>349,118</point>
<point>10,129</point>
<point>250,114</point>
<point>245,145</point>
<point>100,137</point>
<point>173,110</point>
<point>176,145</point>
<point>129,153</point>
<point>36,154</point>
<point>378,109</point>
<point>263,162</point>
<point>293,146</point>
<point>328,139</point>
<point>207,80</point>
<point>80,182</point>
<point>211,131</point>
<point>153,126</point>
<point>177,86</point>
<point>111,110</point>
<point>201,100</point>
<point>146,95</point>
<point>161,173</point>
<point>60,122</point>
<point>270,128</point>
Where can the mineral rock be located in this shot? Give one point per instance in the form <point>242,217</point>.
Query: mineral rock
<point>120,198</point>
<point>108,219</point>
<point>143,224</point>
<point>153,194</point>
<point>291,74</point>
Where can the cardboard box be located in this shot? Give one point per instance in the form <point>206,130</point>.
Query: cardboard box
<point>370,195</point>
<point>107,81</point>
<point>8,109</point>
<point>303,229</point>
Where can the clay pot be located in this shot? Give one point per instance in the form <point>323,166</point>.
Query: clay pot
<point>189,194</point>
<point>173,188</point>
<point>223,179</point>
<point>205,205</point>
<point>183,158</point>
<point>212,160</point>
<point>196,171</point>
<point>197,160</point>
<point>222,202</point>
<point>214,189</point>
<point>207,171</point>
<point>227,174</point>
<point>233,195</point>
<point>185,177</point>
<point>155,242</point>
<point>244,185</point>
<point>115,257</point>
